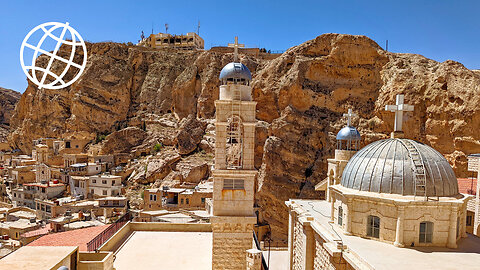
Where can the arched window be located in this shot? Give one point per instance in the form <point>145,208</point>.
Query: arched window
<point>340,216</point>
<point>426,232</point>
<point>373,226</point>
<point>234,146</point>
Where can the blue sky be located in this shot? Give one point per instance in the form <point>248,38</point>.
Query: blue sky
<point>439,30</point>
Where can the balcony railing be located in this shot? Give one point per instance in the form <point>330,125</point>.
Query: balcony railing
<point>101,238</point>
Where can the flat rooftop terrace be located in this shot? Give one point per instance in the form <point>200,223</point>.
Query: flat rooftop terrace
<point>380,255</point>
<point>165,250</point>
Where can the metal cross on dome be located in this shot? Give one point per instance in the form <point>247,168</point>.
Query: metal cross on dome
<point>349,116</point>
<point>235,47</point>
<point>398,109</point>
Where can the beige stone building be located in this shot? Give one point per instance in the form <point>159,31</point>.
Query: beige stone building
<point>474,166</point>
<point>395,201</point>
<point>190,41</point>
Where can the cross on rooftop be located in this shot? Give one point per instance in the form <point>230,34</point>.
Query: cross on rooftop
<point>349,116</point>
<point>235,47</point>
<point>398,109</point>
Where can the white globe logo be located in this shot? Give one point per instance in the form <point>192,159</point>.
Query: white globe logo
<point>58,79</point>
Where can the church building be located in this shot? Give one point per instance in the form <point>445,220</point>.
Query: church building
<point>393,204</point>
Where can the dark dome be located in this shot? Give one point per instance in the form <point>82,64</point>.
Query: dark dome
<point>348,133</point>
<point>391,166</point>
<point>235,71</point>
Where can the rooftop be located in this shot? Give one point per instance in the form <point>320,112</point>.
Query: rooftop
<point>380,255</point>
<point>78,238</point>
<point>467,185</point>
<point>166,250</point>
<point>40,258</point>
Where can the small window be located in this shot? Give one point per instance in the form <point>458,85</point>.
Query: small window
<point>187,201</point>
<point>113,182</point>
<point>340,216</point>
<point>203,200</point>
<point>153,197</point>
<point>233,184</point>
<point>469,220</point>
<point>104,182</point>
<point>104,192</point>
<point>426,232</point>
<point>373,226</point>
<point>181,201</point>
<point>94,181</point>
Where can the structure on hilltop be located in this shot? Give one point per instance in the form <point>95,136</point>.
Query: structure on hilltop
<point>190,41</point>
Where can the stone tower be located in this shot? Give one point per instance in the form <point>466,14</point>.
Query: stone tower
<point>348,143</point>
<point>234,174</point>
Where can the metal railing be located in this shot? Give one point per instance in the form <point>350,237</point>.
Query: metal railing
<point>102,237</point>
<point>257,244</point>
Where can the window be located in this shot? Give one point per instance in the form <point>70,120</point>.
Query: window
<point>373,226</point>
<point>203,200</point>
<point>469,220</point>
<point>94,181</point>
<point>233,184</point>
<point>115,202</point>
<point>104,182</point>
<point>153,197</point>
<point>67,144</point>
<point>187,201</point>
<point>181,201</point>
<point>234,144</point>
<point>340,216</point>
<point>113,182</point>
<point>426,232</point>
<point>104,192</point>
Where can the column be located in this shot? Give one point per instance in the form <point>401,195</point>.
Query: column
<point>399,231</point>
<point>291,232</point>
<point>332,209</point>
<point>463,222</point>
<point>452,232</point>
<point>348,218</point>
<point>309,243</point>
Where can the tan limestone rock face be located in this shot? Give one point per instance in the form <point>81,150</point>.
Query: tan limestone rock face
<point>301,96</point>
<point>123,140</point>
<point>154,167</point>
<point>189,135</point>
<point>193,169</point>
<point>8,100</point>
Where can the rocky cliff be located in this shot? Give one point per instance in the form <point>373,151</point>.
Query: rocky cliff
<point>8,100</point>
<point>142,98</point>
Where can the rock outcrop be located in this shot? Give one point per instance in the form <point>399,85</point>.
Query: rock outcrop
<point>8,100</point>
<point>301,95</point>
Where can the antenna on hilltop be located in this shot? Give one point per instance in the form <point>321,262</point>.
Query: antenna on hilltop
<point>386,45</point>
<point>152,28</point>
<point>166,28</point>
<point>198,28</point>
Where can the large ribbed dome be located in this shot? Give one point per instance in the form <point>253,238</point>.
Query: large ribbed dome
<point>392,165</point>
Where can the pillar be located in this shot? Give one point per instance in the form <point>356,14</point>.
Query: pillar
<point>463,222</point>
<point>399,231</point>
<point>348,217</point>
<point>309,243</point>
<point>452,232</point>
<point>254,259</point>
<point>291,232</point>
<point>332,209</point>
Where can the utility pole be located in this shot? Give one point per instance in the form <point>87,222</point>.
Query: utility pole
<point>386,46</point>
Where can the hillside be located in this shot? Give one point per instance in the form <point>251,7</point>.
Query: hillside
<point>140,97</point>
<point>8,100</point>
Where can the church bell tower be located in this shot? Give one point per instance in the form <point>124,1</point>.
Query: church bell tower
<point>234,174</point>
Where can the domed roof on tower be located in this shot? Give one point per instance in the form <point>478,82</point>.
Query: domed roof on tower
<point>235,71</point>
<point>349,135</point>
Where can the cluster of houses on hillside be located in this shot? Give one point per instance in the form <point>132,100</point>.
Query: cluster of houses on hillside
<point>62,187</point>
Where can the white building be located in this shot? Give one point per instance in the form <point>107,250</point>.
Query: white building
<point>105,185</point>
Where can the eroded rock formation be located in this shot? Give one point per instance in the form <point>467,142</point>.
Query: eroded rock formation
<point>301,97</point>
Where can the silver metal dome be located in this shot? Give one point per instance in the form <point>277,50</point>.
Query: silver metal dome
<point>392,165</point>
<point>348,133</point>
<point>235,71</point>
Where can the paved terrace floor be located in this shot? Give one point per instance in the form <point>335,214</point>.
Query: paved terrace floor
<point>386,256</point>
<point>166,250</point>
